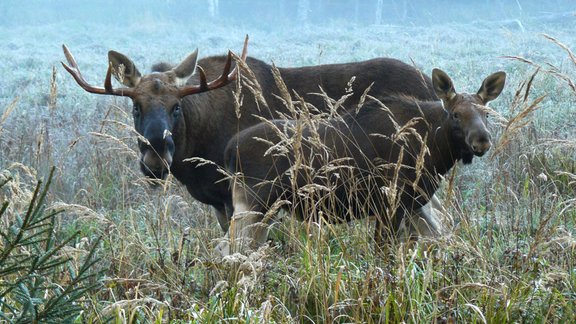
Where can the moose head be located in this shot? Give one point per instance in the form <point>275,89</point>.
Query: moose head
<point>157,100</point>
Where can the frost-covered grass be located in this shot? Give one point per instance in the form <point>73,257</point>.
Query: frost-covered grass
<point>510,256</point>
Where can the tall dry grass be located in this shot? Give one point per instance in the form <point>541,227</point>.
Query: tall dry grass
<point>498,250</point>
<point>509,256</point>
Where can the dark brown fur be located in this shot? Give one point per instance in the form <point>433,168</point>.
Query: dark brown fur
<point>200,125</point>
<point>363,150</point>
<point>208,119</point>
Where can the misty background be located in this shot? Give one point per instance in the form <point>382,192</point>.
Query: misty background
<point>468,39</point>
<point>283,13</point>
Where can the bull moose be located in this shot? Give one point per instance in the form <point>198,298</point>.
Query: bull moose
<point>384,160</point>
<point>181,115</point>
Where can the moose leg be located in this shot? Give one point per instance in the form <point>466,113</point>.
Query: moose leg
<point>425,221</point>
<point>247,231</point>
<point>222,214</point>
<point>432,218</point>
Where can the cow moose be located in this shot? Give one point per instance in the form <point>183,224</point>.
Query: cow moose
<point>180,115</point>
<point>385,160</point>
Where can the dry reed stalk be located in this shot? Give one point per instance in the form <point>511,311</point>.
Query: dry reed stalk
<point>238,97</point>
<point>7,112</point>
<point>552,69</point>
<point>200,161</point>
<point>420,160</point>
<point>250,81</point>
<point>563,46</point>
<point>274,209</point>
<point>122,126</point>
<point>81,212</point>
<point>44,148</point>
<point>145,304</point>
<point>301,162</point>
<point>123,147</point>
<point>363,98</point>
<point>571,176</point>
<point>53,92</point>
<point>393,188</point>
<point>19,183</point>
<point>523,109</point>
<point>284,96</point>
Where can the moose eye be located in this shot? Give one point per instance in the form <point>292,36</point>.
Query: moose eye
<point>176,110</point>
<point>136,110</point>
<point>455,116</point>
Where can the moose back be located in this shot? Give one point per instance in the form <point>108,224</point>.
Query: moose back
<point>181,115</point>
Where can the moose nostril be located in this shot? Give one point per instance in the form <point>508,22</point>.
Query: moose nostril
<point>481,145</point>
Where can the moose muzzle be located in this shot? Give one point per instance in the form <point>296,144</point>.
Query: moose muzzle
<point>157,153</point>
<point>479,141</point>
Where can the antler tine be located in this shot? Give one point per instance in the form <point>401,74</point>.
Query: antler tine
<point>74,70</point>
<point>108,80</point>
<point>69,57</point>
<point>233,74</point>
<point>222,80</point>
<point>226,73</point>
<point>203,82</point>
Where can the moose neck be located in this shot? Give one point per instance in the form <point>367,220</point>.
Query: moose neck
<point>445,148</point>
<point>196,127</point>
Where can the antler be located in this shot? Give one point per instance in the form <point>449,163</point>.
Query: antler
<point>204,86</point>
<point>225,78</point>
<point>108,90</point>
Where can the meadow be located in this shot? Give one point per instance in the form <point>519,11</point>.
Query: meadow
<point>115,248</point>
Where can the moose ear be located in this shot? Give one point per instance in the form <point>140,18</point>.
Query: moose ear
<point>186,68</point>
<point>492,86</point>
<point>124,69</point>
<point>443,85</point>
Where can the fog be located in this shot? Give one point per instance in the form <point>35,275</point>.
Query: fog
<point>467,38</point>
<point>274,14</point>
